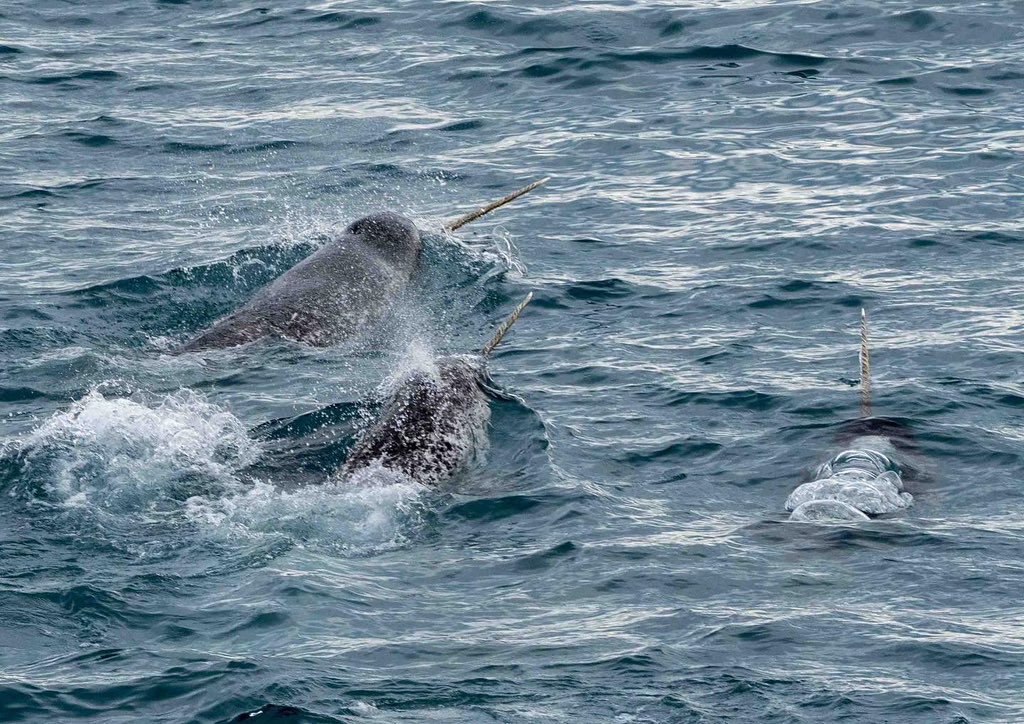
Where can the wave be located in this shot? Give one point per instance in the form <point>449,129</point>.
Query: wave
<point>98,75</point>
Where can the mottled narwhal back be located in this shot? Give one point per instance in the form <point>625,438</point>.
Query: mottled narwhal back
<point>432,424</point>
<point>434,420</point>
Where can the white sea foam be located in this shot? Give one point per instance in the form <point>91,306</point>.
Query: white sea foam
<point>371,510</point>
<point>827,511</point>
<point>180,458</point>
<point>120,453</point>
<point>870,495</point>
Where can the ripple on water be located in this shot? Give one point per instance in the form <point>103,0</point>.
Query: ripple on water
<point>730,182</point>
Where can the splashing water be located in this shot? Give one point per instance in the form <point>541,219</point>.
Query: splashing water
<point>181,459</point>
<point>124,455</point>
<point>373,510</point>
<point>851,486</point>
<point>502,253</point>
<point>420,357</point>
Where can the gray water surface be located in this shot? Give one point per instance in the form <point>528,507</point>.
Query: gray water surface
<point>732,182</point>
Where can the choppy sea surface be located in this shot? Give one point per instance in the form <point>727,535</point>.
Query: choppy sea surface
<point>732,181</point>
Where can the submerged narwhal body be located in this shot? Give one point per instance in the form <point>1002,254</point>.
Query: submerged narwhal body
<point>347,286</point>
<point>864,479</point>
<point>434,420</point>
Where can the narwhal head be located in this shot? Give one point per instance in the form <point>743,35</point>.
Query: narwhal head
<point>864,479</point>
<point>393,236</point>
<point>396,239</point>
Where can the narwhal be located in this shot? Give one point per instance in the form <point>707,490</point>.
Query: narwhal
<point>865,479</point>
<point>345,287</point>
<point>435,420</point>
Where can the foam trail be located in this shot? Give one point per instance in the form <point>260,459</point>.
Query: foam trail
<point>374,510</point>
<point>179,459</point>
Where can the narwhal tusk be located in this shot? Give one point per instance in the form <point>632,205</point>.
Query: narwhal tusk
<point>506,326</point>
<point>473,216</point>
<point>865,367</point>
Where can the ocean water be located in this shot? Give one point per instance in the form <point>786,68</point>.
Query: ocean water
<point>732,180</point>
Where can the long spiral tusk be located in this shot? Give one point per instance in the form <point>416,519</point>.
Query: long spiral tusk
<point>474,215</point>
<point>506,326</point>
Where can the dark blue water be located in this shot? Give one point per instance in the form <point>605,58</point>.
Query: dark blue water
<point>732,182</point>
